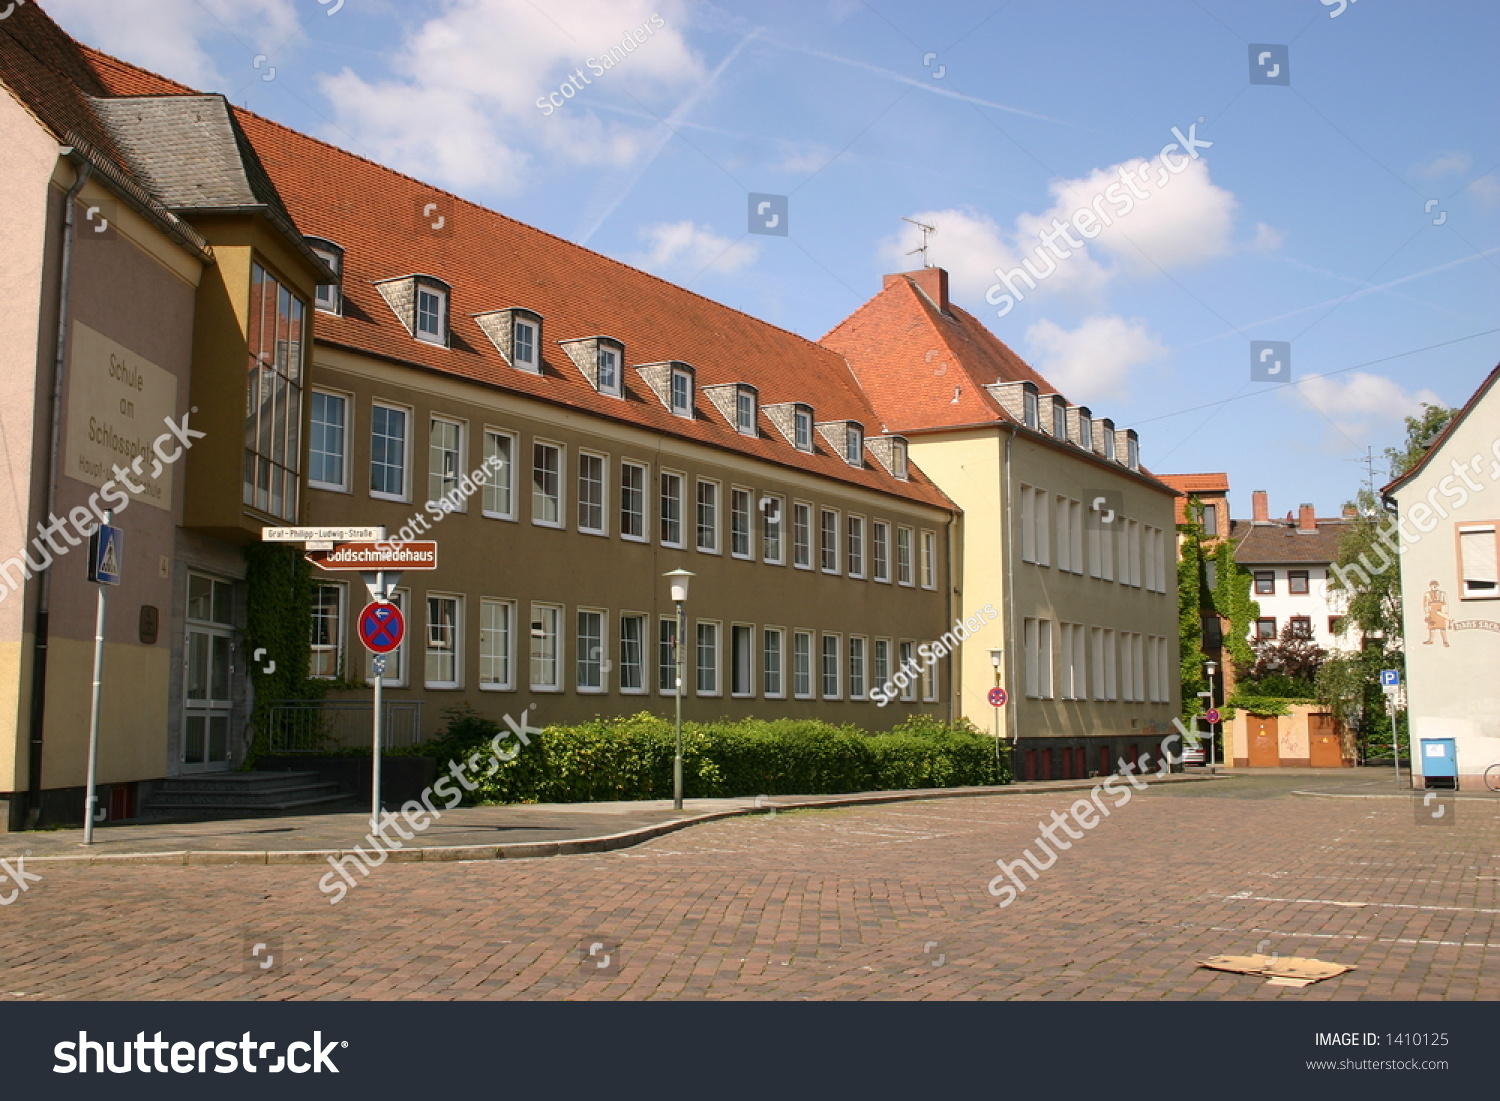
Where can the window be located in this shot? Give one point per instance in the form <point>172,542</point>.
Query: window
<point>500,475</point>
<point>682,393</point>
<point>708,658</point>
<point>1133,539</point>
<point>666,657</point>
<point>802,425</point>
<point>523,346</point>
<point>1104,664</point>
<point>744,410</point>
<point>1109,444</point>
<point>329,297</point>
<point>900,466</point>
<point>1121,535</point>
<point>496,650</point>
<point>771,524</point>
<point>1211,520</point>
<point>432,314</point>
<point>608,362</point>
<point>1059,420</point>
<point>632,652</point>
<point>828,540</point>
<point>395,661</point>
<point>1301,626</point>
<point>1030,409</point>
<point>444,458</point>
<point>880,550</point>
<point>802,686</point>
<point>908,652</point>
<point>882,662</point>
<point>273,397</point>
<point>1477,557</point>
<point>1133,452</point>
<point>1265,582</point>
<point>929,682</point>
<point>1035,533</point>
<point>1296,582</point>
<point>903,556</point>
<point>590,660</point>
<point>1265,628</point>
<point>546,648</point>
<point>591,493</point>
<point>442,642</point>
<point>1072,685</point>
<point>741,660</point>
<point>1085,431</point>
<point>327,631</point>
<point>1037,640</point>
<point>854,545</point>
<point>632,501</point>
<point>739,523</point>
<point>854,445</point>
<point>857,687</point>
<point>771,663</point>
<point>388,452</point>
<point>831,669</point>
<point>929,560</point>
<point>802,536</point>
<point>546,484</point>
<point>671,509</point>
<point>1064,513</point>
<point>708,517</point>
<point>326,445</point>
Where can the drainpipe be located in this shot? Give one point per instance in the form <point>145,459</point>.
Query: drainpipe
<point>1007,565</point>
<point>44,591</point>
<point>955,611</point>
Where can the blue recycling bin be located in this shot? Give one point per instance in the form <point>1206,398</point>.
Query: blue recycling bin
<point>1439,763</point>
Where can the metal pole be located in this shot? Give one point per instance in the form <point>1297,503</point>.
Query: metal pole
<point>681,677</point>
<point>379,708</point>
<point>94,708</point>
<point>1390,702</point>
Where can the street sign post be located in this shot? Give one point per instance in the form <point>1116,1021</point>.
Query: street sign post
<point>106,559</point>
<point>1390,684</point>
<point>381,627</point>
<point>997,697</point>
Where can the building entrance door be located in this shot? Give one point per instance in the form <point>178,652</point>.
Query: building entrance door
<point>1264,747</point>
<point>1324,747</point>
<point>207,666</point>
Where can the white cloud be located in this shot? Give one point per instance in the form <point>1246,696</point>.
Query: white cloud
<point>1268,239</point>
<point>460,103</point>
<point>1452,163</point>
<point>170,36</point>
<point>686,248</point>
<point>1358,403</point>
<point>1093,362</point>
<point>1486,191</point>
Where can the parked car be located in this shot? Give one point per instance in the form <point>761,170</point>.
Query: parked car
<point>1194,755</point>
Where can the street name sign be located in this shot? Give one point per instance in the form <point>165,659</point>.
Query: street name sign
<point>371,555</point>
<point>322,535</point>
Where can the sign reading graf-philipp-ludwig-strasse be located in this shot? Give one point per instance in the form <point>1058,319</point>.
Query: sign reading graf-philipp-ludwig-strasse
<point>315,535</point>
<point>117,406</point>
<point>377,556</point>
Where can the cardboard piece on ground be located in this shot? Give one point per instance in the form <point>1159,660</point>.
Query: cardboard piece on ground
<point>1279,970</point>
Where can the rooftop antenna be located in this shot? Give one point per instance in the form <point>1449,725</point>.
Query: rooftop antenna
<point>1368,459</point>
<point>927,231</point>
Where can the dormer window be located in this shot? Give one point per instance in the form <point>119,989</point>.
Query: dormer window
<point>1109,446</point>
<point>682,393</point>
<point>1085,431</point>
<point>1133,451</point>
<point>802,426</point>
<point>1060,421</point>
<point>330,296</point>
<point>744,410</point>
<point>899,459</point>
<point>523,346</point>
<point>854,445</point>
<point>1030,404</point>
<point>609,370</point>
<point>432,314</point>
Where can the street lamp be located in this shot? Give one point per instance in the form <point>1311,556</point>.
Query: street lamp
<point>995,656</point>
<point>1211,667</point>
<point>679,581</point>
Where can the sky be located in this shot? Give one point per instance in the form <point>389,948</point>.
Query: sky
<point>1335,186</point>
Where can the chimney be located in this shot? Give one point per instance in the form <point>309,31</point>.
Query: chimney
<point>1351,512</point>
<point>932,281</point>
<point>1307,523</point>
<point>1262,506</point>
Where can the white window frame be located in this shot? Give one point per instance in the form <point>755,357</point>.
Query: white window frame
<point>746,631</point>
<point>339,620</point>
<point>562,481</point>
<point>836,665</point>
<point>342,485</point>
<point>585,457</point>
<point>334,303</point>
<point>880,661</point>
<point>745,399</point>
<point>499,480</point>
<point>803,665</point>
<point>880,541</point>
<point>534,364</point>
<point>505,656</point>
<point>900,460</point>
<point>857,658</point>
<point>1475,532</point>
<point>928,564</point>
<point>642,621</point>
<point>906,572</point>
<point>854,548</point>
<point>802,519</point>
<point>666,671</point>
<point>600,643</point>
<point>773,687</point>
<point>430,336</point>
<point>906,658</point>
<point>609,353</point>
<point>802,429</point>
<point>715,631</point>
<point>406,444</point>
<point>675,407</point>
<point>645,501</point>
<point>439,484</point>
<point>664,477</point>
<point>715,496</point>
<point>541,612</point>
<point>854,445</point>
<point>828,549</point>
<point>736,494</point>
<point>455,649</point>
<point>773,520</point>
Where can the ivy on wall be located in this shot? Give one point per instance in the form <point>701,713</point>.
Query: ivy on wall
<point>279,619</point>
<point>1231,599</point>
<point>1192,595</point>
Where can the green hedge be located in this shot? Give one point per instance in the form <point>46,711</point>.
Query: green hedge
<point>631,758</point>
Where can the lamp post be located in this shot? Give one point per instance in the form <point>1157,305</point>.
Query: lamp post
<point>995,656</point>
<point>679,581</point>
<point>1211,667</point>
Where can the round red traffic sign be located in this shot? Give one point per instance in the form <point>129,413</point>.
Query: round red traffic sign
<point>381,627</point>
<point>1212,716</point>
<point>997,697</point>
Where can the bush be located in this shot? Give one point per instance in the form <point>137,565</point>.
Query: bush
<point>631,758</point>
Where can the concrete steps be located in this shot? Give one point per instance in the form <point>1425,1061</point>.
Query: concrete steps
<point>244,794</point>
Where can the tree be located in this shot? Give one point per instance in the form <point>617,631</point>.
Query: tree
<point>1284,666</point>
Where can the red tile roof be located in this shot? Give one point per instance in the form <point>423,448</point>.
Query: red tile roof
<point>493,262</point>
<point>49,73</point>
<point>1217,484</point>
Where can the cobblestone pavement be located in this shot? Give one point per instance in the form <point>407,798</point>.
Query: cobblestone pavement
<point>870,902</point>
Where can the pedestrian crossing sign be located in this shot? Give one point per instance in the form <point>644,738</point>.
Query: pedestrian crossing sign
<point>106,554</point>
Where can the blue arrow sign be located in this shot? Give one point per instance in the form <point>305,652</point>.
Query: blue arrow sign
<point>106,555</point>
